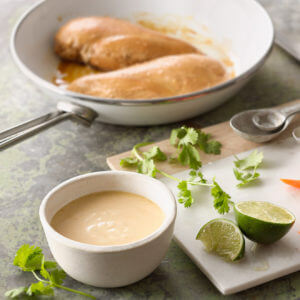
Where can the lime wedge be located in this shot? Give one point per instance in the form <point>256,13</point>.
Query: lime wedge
<point>223,237</point>
<point>263,222</point>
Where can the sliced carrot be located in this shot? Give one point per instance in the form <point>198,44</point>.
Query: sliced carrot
<point>292,182</point>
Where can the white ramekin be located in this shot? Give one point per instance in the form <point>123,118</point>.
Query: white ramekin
<point>109,266</point>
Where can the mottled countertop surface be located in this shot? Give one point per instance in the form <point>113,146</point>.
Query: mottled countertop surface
<point>30,169</point>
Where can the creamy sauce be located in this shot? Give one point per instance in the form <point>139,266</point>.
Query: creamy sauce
<point>108,218</point>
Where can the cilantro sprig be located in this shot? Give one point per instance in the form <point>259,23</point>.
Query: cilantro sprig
<point>222,200</point>
<point>245,169</point>
<point>185,139</point>
<point>49,276</point>
<point>144,163</point>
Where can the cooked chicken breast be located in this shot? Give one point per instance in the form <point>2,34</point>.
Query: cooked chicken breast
<point>162,77</point>
<point>111,44</point>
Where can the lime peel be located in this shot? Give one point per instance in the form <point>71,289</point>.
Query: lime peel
<point>263,222</point>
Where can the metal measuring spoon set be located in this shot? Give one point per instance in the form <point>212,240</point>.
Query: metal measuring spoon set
<point>262,125</point>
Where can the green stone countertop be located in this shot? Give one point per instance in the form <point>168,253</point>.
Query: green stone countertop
<point>30,169</point>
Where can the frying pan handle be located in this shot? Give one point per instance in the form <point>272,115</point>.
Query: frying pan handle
<point>14,134</point>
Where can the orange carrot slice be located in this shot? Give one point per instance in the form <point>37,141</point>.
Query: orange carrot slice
<point>292,182</point>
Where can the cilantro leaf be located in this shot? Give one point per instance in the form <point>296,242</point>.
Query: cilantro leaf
<point>238,175</point>
<point>202,138</point>
<point>155,153</point>
<point>184,195</point>
<point>196,177</point>
<point>147,167</point>
<point>177,134</point>
<point>16,293</point>
<point>213,147</point>
<point>209,147</point>
<point>54,275</point>
<point>57,276</point>
<point>183,136</point>
<point>31,259</point>
<point>43,270</point>
<point>190,137</point>
<point>252,161</point>
<point>221,199</point>
<point>245,177</point>
<point>145,163</point>
<point>250,179</point>
<point>50,264</point>
<point>28,258</point>
<point>193,175</point>
<point>186,139</point>
<point>129,162</point>
<point>173,137</point>
<point>245,170</point>
<point>40,288</point>
<point>190,156</point>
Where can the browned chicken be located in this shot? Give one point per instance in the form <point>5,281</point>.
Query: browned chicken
<point>162,77</point>
<point>111,44</point>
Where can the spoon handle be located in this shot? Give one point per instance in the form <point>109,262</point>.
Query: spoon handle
<point>290,110</point>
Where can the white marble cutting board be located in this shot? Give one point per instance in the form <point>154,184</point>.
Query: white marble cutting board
<point>261,263</point>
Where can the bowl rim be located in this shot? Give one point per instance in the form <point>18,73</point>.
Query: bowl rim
<point>49,230</point>
<point>127,102</point>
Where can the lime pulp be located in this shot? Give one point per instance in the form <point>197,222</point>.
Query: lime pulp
<point>222,237</point>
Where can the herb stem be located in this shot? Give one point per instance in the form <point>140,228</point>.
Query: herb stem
<point>200,183</point>
<point>135,150</point>
<point>254,171</point>
<point>38,278</point>
<point>73,291</point>
<point>168,176</point>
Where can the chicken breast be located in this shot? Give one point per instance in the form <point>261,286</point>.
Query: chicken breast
<point>111,44</point>
<point>163,77</point>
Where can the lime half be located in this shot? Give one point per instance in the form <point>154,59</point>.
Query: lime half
<point>223,237</point>
<point>263,222</point>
